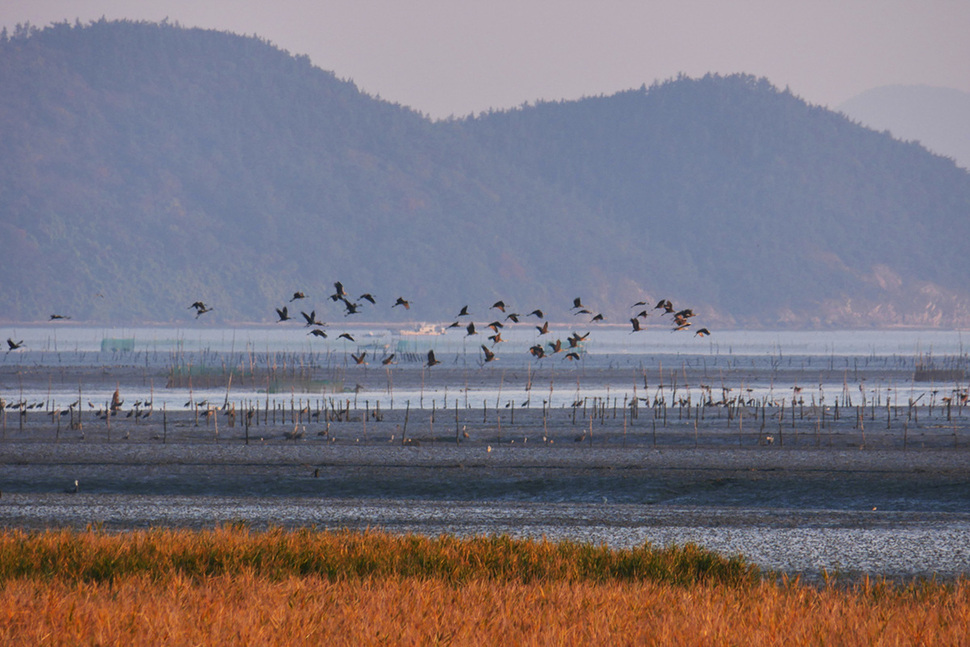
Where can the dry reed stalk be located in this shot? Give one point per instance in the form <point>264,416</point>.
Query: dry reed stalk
<point>247,609</point>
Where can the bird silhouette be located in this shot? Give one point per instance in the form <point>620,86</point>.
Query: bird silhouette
<point>598,317</point>
<point>200,308</point>
<point>514,316</point>
<point>500,305</point>
<point>665,305</point>
<point>464,312</point>
<point>346,335</point>
<point>350,308</point>
<point>454,324</point>
<point>431,359</point>
<point>578,303</point>
<point>387,361</point>
<point>311,319</point>
<point>543,329</point>
<point>297,295</point>
<point>54,317</point>
<point>555,346</point>
<point>73,490</point>
<point>401,301</point>
<point>496,338</point>
<point>316,332</point>
<point>538,351</point>
<point>339,292</point>
<point>495,325</point>
<point>538,313</point>
<point>359,358</point>
<point>636,325</point>
<point>571,356</point>
<point>471,329</point>
<point>638,304</point>
<point>703,332</point>
<point>489,355</point>
<point>283,313</point>
<point>368,296</point>
<point>14,345</point>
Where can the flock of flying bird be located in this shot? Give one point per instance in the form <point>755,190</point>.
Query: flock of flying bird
<point>681,321</point>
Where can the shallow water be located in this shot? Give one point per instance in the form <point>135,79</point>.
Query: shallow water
<point>885,513</point>
<point>888,544</point>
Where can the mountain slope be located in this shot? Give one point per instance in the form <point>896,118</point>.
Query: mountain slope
<point>146,166</point>
<point>937,118</point>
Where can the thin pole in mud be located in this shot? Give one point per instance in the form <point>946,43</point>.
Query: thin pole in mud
<point>655,431</point>
<point>431,425</point>
<point>591,429</point>
<point>407,414</point>
<point>246,422</point>
<point>164,423</point>
<point>781,422</point>
<point>544,427</point>
<point>457,431</point>
<point>624,421</point>
<point>695,434</point>
<point>366,414</point>
<point>484,412</point>
<point>740,427</point>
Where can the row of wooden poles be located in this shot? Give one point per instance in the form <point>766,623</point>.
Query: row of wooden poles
<point>583,413</point>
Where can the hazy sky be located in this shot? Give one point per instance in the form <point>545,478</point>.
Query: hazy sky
<point>446,57</point>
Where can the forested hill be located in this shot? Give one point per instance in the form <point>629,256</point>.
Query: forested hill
<point>146,166</point>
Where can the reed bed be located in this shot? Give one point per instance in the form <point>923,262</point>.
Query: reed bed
<point>235,587</point>
<point>96,556</point>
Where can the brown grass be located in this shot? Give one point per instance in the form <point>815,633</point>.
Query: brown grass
<point>282,600</point>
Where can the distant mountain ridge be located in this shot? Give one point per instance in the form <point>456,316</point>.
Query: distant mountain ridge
<point>147,166</point>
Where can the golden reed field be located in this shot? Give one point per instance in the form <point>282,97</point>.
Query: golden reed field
<point>236,586</point>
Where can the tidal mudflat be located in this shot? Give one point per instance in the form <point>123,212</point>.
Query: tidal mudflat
<point>806,466</point>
